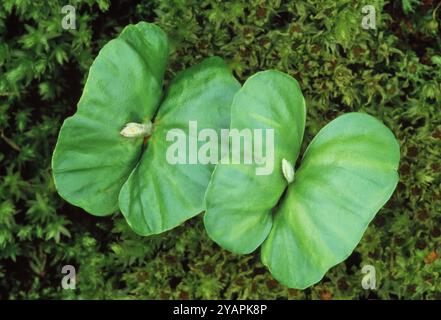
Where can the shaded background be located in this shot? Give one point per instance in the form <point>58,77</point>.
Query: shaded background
<point>393,73</point>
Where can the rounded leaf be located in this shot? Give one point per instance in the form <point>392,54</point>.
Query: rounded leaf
<point>241,196</point>
<point>347,174</point>
<point>92,160</point>
<point>160,195</point>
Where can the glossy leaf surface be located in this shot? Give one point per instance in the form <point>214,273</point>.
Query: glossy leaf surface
<point>238,201</point>
<point>158,195</point>
<point>347,174</point>
<point>92,160</point>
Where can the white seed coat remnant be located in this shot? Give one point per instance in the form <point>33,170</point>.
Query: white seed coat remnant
<point>288,170</point>
<point>133,130</point>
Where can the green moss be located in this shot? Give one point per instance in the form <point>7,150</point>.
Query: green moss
<point>392,72</point>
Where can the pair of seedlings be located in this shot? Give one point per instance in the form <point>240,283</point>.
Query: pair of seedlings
<point>111,155</point>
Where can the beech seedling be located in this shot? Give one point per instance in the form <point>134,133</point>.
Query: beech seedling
<point>111,154</point>
<point>305,220</point>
